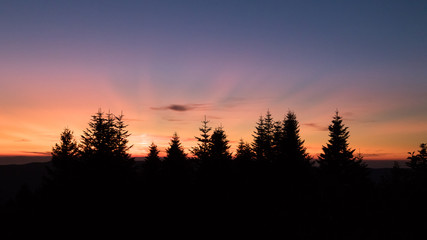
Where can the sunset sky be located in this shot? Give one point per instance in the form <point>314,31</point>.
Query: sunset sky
<point>167,64</point>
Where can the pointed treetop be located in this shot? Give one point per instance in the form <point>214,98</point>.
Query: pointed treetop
<point>153,155</point>
<point>175,151</point>
<point>201,151</point>
<point>337,156</point>
<point>219,145</point>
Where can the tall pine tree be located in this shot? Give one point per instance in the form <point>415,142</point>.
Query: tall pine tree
<point>215,171</point>
<point>263,139</point>
<point>105,141</point>
<point>98,140</point>
<point>291,146</point>
<point>175,151</point>
<point>337,162</point>
<point>202,150</point>
<point>153,154</point>
<point>107,165</point>
<point>64,161</point>
<point>277,140</point>
<point>219,146</point>
<point>121,137</point>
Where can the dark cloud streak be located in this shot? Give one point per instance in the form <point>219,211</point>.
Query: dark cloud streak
<point>182,107</point>
<point>38,153</point>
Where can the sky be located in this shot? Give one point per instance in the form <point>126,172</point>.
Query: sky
<point>167,64</point>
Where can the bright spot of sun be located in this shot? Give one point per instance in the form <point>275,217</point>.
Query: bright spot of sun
<point>143,140</point>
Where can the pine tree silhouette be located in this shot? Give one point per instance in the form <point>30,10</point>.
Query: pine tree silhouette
<point>152,160</point>
<point>277,141</point>
<point>217,168</point>
<point>65,158</point>
<point>175,151</point>
<point>219,146</point>
<point>291,146</point>
<point>177,176</point>
<point>107,169</point>
<point>337,161</point>
<point>263,139</point>
<point>152,165</point>
<point>105,144</point>
<point>99,185</point>
<point>176,167</point>
<point>121,139</point>
<point>244,152</point>
<point>98,140</point>
<point>418,162</point>
<point>152,190</point>
<point>202,150</point>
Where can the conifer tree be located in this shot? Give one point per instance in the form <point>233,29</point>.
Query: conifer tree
<point>269,125</point>
<point>152,161</point>
<point>176,168</point>
<point>153,154</point>
<point>151,169</point>
<point>66,150</point>
<point>259,139</point>
<point>121,138</point>
<point>106,164</point>
<point>175,151</point>
<point>337,161</point>
<point>418,161</point>
<point>244,152</point>
<point>64,159</point>
<point>105,141</point>
<point>277,140</point>
<point>215,171</point>
<point>418,164</point>
<point>98,139</point>
<point>292,146</point>
<point>263,138</point>
<point>219,146</point>
<point>202,150</point>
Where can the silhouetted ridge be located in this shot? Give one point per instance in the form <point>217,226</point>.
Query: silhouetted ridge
<point>270,188</point>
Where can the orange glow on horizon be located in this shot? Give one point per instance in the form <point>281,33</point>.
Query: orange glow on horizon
<point>32,121</point>
<point>37,138</point>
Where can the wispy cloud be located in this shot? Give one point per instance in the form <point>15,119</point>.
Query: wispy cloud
<point>38,153</point>
<point>188,139</point>
<point>316,126</point>
<point>368,155</point>
<point>173,120</point>
<point>182,107</point>
<point>176,120</point>
<point>22,140</point>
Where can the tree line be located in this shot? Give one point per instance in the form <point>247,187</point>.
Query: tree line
<point>271,187</point>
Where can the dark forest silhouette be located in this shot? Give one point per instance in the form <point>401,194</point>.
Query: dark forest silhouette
<point>271,187</point>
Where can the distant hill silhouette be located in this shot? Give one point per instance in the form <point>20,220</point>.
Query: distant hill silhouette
<point>19,160</point>
<point>9,160</point>
<point>13,177</point>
